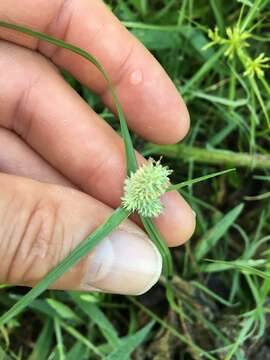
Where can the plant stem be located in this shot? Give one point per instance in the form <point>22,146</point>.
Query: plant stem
<point>232,87</point>
<point>217,9</point>
<point>130,154</point>
<point>205,68</point>
<point>258,6</point>
<point>118,216</point>
<point>211,156</point>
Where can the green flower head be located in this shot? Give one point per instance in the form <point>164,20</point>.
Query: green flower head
<point>142,190</point>
<point>214,36</point>
<point>236,40</point>
<point>256,66</point>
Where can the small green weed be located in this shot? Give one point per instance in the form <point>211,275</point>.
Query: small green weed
<point>216,303</point>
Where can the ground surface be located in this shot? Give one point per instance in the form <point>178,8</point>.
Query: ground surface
<point>220,309</point>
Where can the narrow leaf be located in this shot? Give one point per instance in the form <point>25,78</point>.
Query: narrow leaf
<point>158,240</point>
<point>210,239</point>
<point>220,100</point>
<point>98,317</point>
<point>81,250</point>
<point>206,67</point>
<point>129,344</point>
<point>43,343</point>
<point>78,351</point>
<point>3,355</point>
<point>244,268</point>
<point>199,179</point>
<point>62,310</point>
<point>83,340</point>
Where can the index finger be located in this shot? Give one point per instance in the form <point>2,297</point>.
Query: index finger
<point>153,107</point>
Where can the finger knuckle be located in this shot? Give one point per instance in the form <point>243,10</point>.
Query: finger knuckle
<point>38,243</point>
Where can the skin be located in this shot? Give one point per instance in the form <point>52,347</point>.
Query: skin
<point>50,135</point>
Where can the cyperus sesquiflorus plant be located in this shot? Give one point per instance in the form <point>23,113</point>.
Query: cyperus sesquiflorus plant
<point>235,45</point>
<point>143,189</point>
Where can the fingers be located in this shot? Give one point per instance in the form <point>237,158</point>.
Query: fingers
<point>152,104</point>
<point>17,158</point>
<point>53,119</point>
<point>40,224</point>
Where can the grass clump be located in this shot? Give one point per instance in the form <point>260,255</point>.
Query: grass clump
<point>216,305</point>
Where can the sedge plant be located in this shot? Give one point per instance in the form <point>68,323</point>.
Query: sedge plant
<point>143,188</point>
<point>234,47</point>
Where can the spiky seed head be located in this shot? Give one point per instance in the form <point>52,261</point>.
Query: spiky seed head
<point>143,188</point>
<point>256,66</point>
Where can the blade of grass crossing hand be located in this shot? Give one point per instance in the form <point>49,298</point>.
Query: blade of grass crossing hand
<point>81,250</point>
<point>118,216</point>
<point>132,164</point>
<point>130,154</point>
<point>156,237</point>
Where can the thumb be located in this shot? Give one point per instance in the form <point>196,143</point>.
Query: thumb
<point>40,224</point>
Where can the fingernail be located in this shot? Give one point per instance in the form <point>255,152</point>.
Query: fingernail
<point>125,262</point>
<point>194,214</point>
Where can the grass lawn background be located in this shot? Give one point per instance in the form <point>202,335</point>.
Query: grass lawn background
<point>220,305</point>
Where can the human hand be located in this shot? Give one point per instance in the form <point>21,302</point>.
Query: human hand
<point>49,135</point>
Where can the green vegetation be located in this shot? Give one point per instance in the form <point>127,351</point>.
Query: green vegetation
<point>217,304</point>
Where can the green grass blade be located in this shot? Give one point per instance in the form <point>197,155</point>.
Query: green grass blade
<point>257,93</point>
<point>244,268</point>
<point>217,10</point>
<point>247,326</point>
<point>130,154</point>
<point>212,294</point>
<point>221,266</point>
<point>199,179</point>
<point>209,240</point>
<point>78,351</point>
<point>98,317</point>
<point>63,310</point>
<point>81,250</point>
<point>220,100</point>
<point>60,352</point>
<point>128,345</point>
<point>82,339</point>
<point>157,239</point>
<point>43,343</point>
<point>253,12</point>
<point>174,331</point>
<point>206,67</point>
<point>3,355</point>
